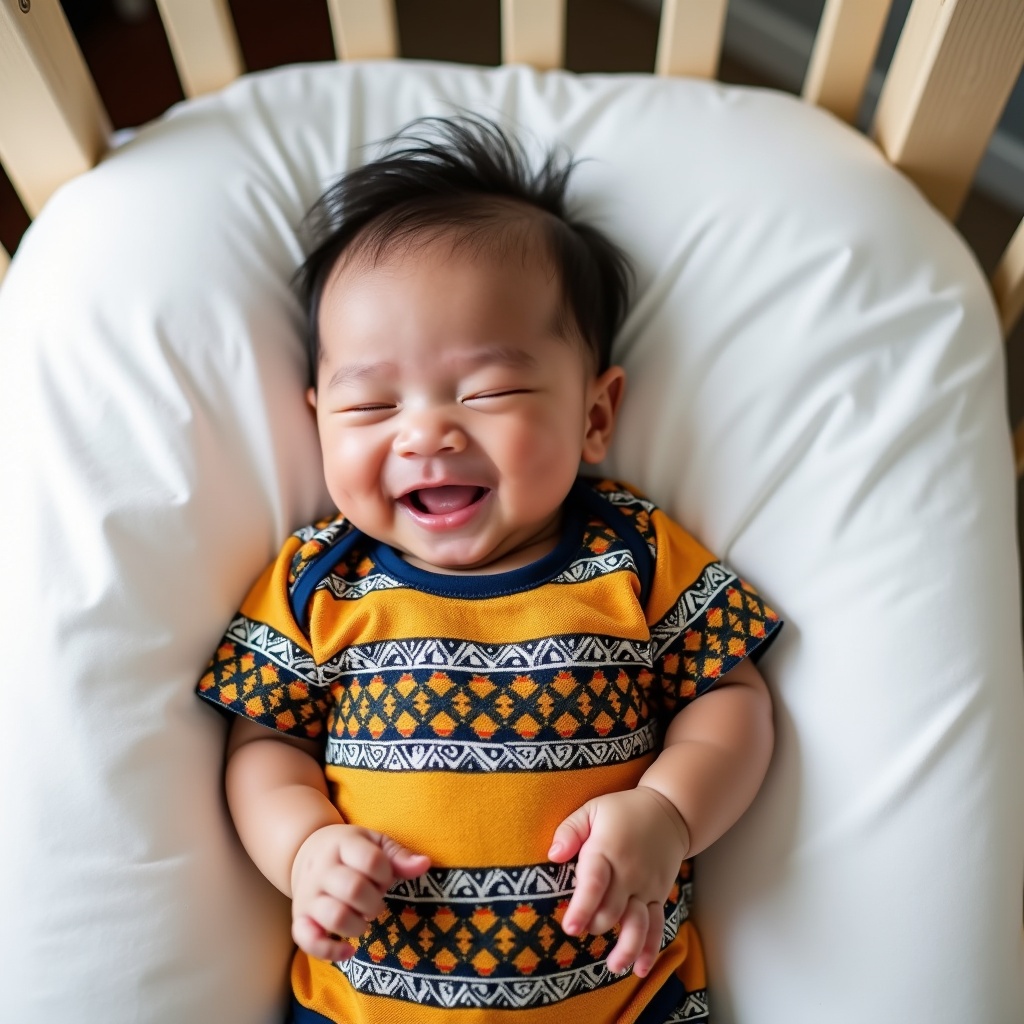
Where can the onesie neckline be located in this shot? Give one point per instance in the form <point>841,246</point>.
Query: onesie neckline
<point>497,584</point>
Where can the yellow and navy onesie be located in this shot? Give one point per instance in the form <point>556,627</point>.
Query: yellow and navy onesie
<point>466,716</point>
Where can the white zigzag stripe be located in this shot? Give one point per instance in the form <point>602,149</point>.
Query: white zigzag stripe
<point>345,591</point>
<point>474,885</point>
<point>592,566</point>
<point>582,569</point>
<point>626,498</point>
<point>487,993</point>
<point>690,606</point>
<point>325,535</point>
<point>568,652</point>
<point>471,756</point>
<point>454,992</point>
<point>274,646</point>
<point>440,653</point>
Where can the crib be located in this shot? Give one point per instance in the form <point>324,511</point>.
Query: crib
<point>816,390</point>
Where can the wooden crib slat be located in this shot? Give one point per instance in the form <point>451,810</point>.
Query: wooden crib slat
<point>1008,286</point>
<point>203,43</point>
<point>533,32</point>
<point>950,77</point>
<point>364,29</point>
<point>52,122</point>
<point>690,37</point>
<point>5,262</point>
<point>1018,449</point>
<point>1008,282</point>
<point>844,54</point>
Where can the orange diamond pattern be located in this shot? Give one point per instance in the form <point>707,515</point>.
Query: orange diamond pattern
<point>719,640</point>
<point>247,683</point>
<point>423,704</point>
<point>510,939</point>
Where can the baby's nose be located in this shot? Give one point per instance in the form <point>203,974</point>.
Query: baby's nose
<point>427,433</point>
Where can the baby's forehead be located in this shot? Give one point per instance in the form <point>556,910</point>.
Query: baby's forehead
<point>495,229</point>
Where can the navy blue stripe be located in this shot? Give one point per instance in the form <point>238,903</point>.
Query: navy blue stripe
<point>497,584</point>
<point>302,1015</point>
<point>582,498</point>
<point>315,571</point>
<point>667,998</point>
<point>598,505</point>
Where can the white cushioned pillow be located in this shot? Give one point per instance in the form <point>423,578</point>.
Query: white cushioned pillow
<point>815,389</point>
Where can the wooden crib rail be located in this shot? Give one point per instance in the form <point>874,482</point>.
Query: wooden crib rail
<point>533,32</point>
<point>52,122</point>
<point>690,37</point>
<point>1008,288</point>
<point>1008,282</point>
<point>364,29</point>
<point>950,78</point>
<point>929,123</point>
<point>953,70</point>
<point>844,54</point>
<point>203,43</point>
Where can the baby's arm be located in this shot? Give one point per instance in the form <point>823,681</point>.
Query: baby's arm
<point>630,844</point>
<point>336,874</point>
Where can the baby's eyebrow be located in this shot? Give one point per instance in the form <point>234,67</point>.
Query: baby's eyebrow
<point>506,355</point>
<point>353,373</point>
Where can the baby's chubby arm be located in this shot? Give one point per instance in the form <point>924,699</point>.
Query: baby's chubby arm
<point>630,844</point>
<point>336,874</point>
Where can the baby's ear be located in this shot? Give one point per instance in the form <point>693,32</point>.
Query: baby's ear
<point>311,398</point>
<point>604,396</point>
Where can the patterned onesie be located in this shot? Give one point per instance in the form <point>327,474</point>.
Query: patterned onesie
<point>466,716</point>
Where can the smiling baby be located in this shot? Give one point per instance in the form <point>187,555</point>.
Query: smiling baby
<point>483,717</point>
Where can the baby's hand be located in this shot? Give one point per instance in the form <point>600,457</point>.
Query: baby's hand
<point>630,846</point>
<point>339,878</point>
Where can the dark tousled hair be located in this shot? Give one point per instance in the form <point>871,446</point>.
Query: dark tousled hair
<point>466,177</point>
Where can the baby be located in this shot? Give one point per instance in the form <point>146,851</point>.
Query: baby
<point>485,715</point>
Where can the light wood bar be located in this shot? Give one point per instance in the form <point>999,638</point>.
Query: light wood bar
<point>5,262</point>
<point>951,75</point>
<point>203,43</point>
<point>690,37</point>
<point>1008,282</point>
<point>364,29</point>
<point>533,32</point>
<point>52,122</point>
<point>844,54</point>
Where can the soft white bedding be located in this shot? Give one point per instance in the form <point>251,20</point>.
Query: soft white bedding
<point>815,389</point>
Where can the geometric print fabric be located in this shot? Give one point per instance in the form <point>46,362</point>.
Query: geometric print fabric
<point>568,702</point>
<point>248,677</point>
<point>491,941</point>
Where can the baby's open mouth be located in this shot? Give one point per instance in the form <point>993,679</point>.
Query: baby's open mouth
<point>440,501</point>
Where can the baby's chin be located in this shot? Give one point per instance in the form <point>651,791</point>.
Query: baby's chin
<point>499,559</point>
<point>453,566</point>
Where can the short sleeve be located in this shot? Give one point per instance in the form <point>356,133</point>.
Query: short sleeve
<point>263,668</point>
<point>708,619</point>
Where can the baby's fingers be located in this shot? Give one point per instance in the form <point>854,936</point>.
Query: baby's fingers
<point>593,876</point>
<point>632,936</point>
<point>311,938</point>
<point>333,916</point>
<point>652,944</point>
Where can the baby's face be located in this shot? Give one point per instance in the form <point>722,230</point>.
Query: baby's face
<point>452,415</point>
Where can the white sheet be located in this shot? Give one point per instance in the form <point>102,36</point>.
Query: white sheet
<point>815,389</point>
